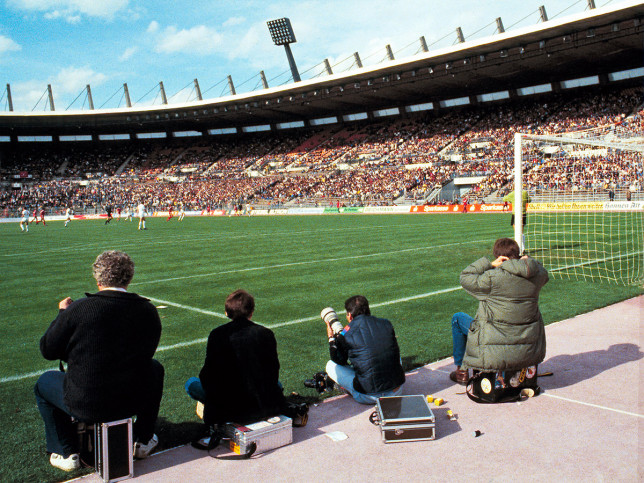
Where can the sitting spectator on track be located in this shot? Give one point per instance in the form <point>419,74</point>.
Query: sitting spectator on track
<point>507,332</point>
<point>239,379</point>
<point>370,344</point>
<point>108,340</point>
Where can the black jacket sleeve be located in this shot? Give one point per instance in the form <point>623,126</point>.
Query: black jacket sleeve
<point>339,350</point>
<point>53,344</point>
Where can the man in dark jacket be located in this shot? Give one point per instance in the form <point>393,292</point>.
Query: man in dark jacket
<point>108,340</point>
<point>239,381</point>
<point>370,344</point>
<point>508,332</point>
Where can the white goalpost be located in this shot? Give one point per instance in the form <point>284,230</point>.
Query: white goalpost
<point>585,203</point>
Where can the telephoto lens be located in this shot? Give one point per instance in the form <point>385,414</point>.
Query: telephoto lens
<point>331,318</point>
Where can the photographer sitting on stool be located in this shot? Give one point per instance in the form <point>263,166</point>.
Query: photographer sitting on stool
<point>507,332</point>
<point>239,379</point>
<point>370,344</point>
<point>108,340</point>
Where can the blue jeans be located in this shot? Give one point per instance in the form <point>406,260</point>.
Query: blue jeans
<point>59,429</point>
<point>195,389</point>
<point>461,323</point>
<point>344,376</point>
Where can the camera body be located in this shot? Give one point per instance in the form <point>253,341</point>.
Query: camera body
<point>330,316</point>
<point>320,382</point>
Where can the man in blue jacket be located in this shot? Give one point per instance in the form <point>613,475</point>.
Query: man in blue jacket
<point>369,344</point>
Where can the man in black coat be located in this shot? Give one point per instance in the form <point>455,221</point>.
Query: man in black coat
<point>108,340</point>
<point>370,344</point>
<point>239,381</point>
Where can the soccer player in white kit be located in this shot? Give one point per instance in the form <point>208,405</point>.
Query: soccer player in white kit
<point>68,215</point>
<point>142,213</point>
<point>24,221</point>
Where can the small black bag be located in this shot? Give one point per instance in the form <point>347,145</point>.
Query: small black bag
<point>503,386</point>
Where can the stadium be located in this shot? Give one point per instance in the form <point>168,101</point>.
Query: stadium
<point>385,180</point>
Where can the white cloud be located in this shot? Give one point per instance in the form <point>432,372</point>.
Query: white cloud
<point>71,80</point>
<point>129,52</point>
<point>153,27</point>
<point>7,44</point>
<point>233,21</point>
<point>71,10</point>
<point>197,40</point>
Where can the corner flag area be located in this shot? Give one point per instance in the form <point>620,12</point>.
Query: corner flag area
<point>585,426</point>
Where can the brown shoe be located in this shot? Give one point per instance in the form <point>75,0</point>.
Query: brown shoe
<point>460,376</point>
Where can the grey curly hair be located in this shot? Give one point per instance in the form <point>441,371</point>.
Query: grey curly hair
<point>113,269</point>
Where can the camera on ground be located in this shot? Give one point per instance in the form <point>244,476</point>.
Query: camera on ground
<point>320,382</point>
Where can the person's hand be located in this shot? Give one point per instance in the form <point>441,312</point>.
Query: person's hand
<point>66,302</point>
<point>497,263</point>
<point>329,331</point>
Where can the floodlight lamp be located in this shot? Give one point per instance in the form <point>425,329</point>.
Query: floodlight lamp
<point>281,31</point>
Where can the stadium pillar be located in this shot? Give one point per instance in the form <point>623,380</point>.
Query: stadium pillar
<point>603,79</point>
<point>231,86</point>
<point>126,93</point>
<point>9,100</point>
<point>357,60</point>
<point>327,66</point>
<point>164,99</point>
<point>591,4</point>
<point>543,14</point>
<point>263,77</point>
<point>291,63</point>
<point>390,54</point>
<point>423,44</point>
<point>198,90</point>
<point>499,25</point>
<point>459,35</point>
<point>51,97</point>
<point>90,101</point>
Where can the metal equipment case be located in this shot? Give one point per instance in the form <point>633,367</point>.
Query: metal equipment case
<point>113,448</point>
<point>267,435</point>
<point>405,418</point>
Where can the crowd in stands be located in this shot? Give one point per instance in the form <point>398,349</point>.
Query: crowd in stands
<point>367,163</point>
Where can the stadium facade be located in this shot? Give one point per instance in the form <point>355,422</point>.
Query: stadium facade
<point>601,46</point>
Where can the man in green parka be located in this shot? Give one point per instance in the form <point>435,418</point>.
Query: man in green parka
<point>507,332</point>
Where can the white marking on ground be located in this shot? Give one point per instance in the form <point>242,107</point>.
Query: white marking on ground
<point>307,262</point>
<point>223,316</point>
<point>593,405</point>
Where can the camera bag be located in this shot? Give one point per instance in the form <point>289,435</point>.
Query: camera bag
<point>503,386</point>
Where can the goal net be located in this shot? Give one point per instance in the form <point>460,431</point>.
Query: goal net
<point>585,204</point>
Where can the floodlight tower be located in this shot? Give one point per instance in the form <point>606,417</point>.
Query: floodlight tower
<point>282,34</point>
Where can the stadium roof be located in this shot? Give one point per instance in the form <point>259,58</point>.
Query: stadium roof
<point>598,42</point>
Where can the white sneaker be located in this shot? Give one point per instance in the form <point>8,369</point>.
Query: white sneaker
<point>142,451</point>
<point>72,462</point>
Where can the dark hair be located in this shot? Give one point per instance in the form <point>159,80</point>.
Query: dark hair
<point>240,304</point>
<point>357,305</point>
<point>113,269</point>
<point>506,247</point>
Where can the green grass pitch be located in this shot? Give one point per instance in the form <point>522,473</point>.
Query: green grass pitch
<point>406,265</point>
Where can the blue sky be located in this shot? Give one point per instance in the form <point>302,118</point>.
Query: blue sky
<point>105,43</point>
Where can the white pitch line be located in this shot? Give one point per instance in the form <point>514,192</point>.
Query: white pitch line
<point>223,316</point>
<point>545,393</point>
<point>308,262</point>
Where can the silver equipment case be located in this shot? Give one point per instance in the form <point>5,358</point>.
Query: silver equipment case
<point>405,418</point>
<point>267,435</point>
<point>113,448</point>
